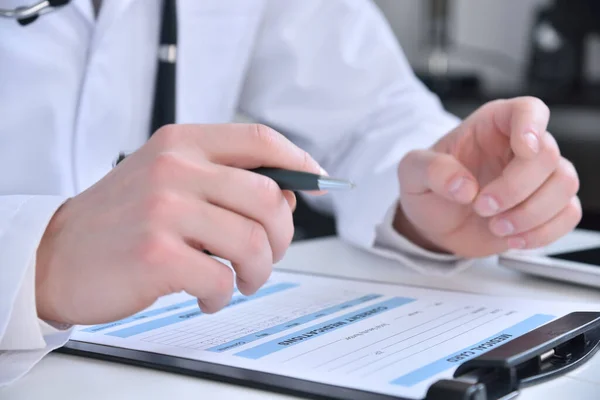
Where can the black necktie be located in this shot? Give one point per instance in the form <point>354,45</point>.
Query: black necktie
<point>164,92</point>
<point>96,4</point>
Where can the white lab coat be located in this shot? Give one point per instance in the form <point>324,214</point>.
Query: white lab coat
<point>75,91</point>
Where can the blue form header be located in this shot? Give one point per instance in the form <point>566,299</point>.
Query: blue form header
<point>292,324</point>
<point>193,313</point>
<point>471,352</point>
<point>322,328</point>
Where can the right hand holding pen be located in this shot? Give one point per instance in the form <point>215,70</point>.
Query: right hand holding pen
<point>139,233</point>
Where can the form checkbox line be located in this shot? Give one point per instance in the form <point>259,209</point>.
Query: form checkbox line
<point>429,348</point>
<point>383,340</point>
<point>310,351</point>
<point>404,340</point>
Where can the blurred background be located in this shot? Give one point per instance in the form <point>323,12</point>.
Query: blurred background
<point>473,51</point>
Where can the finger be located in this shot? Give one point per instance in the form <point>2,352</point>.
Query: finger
<point>519,180</point>
<point>255,197</point>
<point>251,195</point>
<point>525,121</point>
<point>554,195</point>
<point>563,223</point>
<point>233,237</point>
<point>424,171</point>
<point>205,278</point>
<point>290,197</point>
<point>244,146</point>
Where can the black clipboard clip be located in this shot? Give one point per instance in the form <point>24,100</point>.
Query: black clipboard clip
<point>540,355</point>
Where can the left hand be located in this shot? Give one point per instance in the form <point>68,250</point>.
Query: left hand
<point>494,183</point>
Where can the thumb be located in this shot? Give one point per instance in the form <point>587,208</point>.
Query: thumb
<point>425,171</point>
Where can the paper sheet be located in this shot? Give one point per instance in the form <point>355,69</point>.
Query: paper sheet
<point>389,339</point>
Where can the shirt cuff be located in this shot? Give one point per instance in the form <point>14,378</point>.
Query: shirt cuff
<point>391,244</point>
<point>27,338</point>
<point>25,331</point>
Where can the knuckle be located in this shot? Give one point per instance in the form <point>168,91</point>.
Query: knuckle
<point>223,282</point>
<point>568,177</point>
<point>569,219</point>
<point>205,171</point>
<point>153,249</point>
<point>164,168</point>
<point>405,163</point>
<point>531,103</point>
<point>435,168</point>
<point>526,212</point>
<point>269,192</point>
<point>495,103</point>
<point>307,161</point>
<point>264,135</point>
<point>410,156</point>
<point>550,149</point>
<point>553,152</point>
<point>256,239</point>
<point>533,240</point>
<point>575,211</point>
<point>167,136</point>
<point>288,234</point>
<point>259,277</point>
<point>538,238</point>
<point>492,105</point>
<point>263,276</point>
<point>283,237</point>
<point>160,204</point>
<point>512,191</point>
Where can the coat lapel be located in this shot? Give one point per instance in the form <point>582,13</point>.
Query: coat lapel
<point>110,12</point>
<point>84,7</point>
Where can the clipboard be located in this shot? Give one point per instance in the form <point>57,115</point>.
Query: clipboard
<point>535,357</point>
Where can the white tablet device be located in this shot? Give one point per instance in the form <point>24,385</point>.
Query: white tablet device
<point>579,266</point>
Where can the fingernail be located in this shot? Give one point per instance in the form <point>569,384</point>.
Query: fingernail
<point>502,228</point>
<point>517,243</point>
<point>456,185</point>
<point>323,172</point>
<point>462,190</point>
<point>487,206</point>
<point>532,141</point>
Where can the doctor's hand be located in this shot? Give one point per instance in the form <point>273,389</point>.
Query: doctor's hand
<point>141,231</point>
<point>496,182</point>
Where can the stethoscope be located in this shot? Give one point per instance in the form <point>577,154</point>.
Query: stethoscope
<point>27,14</point>
<point>164,96</point>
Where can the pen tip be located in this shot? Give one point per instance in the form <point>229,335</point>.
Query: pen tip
<point>335,184</point>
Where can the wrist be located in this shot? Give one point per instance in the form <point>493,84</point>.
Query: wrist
<point>412,233</point>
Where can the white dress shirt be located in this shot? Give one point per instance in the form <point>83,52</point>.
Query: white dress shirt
<point>77,90</point>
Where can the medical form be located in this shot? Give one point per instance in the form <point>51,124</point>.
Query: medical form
<point>381,338</point>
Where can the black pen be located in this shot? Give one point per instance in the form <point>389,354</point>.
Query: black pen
<point>303,181</point>
<point>295,180</point>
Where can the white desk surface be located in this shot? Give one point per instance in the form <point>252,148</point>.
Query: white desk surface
<point>67,377</point>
